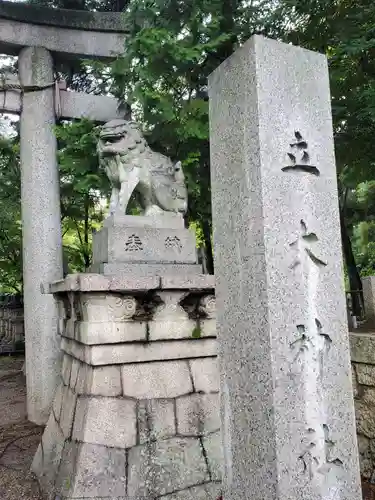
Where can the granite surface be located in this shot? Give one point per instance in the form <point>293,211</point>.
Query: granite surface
<point>63,18</point>
<point>41,221</point>
<point>287,409</point>
<point>146,422</point>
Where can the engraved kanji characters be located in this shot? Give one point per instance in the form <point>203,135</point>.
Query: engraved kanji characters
<point>312,342</point>
<point>309,459</point>
<point>173,243</point>
<point>299,157</point>
<point>133,243</point>
<point>319,459</point>
<point>303,244</point>
<point>302,343</point>
<point>325,336</point>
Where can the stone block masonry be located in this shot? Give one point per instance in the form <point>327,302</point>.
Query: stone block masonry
<point>363,372</point>
<point>141,420</point>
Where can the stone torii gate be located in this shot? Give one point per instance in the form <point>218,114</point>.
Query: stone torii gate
<point>40,37</point>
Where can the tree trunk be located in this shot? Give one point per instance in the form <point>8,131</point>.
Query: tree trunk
<point>208,247</point>
<point>86,254</point>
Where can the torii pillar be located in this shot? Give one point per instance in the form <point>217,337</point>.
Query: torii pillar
<point>65,34</point>
<point>41,226</point>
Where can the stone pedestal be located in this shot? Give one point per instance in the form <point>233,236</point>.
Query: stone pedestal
<point>41,228</point>
<point>287,405</point>
<point>136,412</point>
<point>368,285</point>
<point>144,245</point>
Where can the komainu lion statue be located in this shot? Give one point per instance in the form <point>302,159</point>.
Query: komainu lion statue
<point>131,166</point>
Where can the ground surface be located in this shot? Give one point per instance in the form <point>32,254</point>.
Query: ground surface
<point>18,437</point>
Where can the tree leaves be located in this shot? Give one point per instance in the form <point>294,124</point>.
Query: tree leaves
<point>172,48</point>
<point>84,189</point>
<point>10,217</point>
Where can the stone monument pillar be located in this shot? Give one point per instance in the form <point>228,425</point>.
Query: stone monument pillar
<point>42,242</point>
<point>136,413</point>
<point>368,284</point>
<point>287,404</point>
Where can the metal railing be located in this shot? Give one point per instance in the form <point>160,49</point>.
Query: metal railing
<point>11,300</point>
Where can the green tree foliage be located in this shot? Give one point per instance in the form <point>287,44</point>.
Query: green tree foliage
<point>97,5</point>
<point>360,210</point>
<point>10,217</point>
<point>172,48</point>
<point>83,189</point>
<point>345,31</point>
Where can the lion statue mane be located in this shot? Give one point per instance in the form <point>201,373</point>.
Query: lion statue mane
<point>132,167</point>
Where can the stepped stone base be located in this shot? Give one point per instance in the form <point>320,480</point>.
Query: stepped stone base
<point>136,413</point>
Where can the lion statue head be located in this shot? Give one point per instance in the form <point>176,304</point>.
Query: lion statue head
<point>125,154</point>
